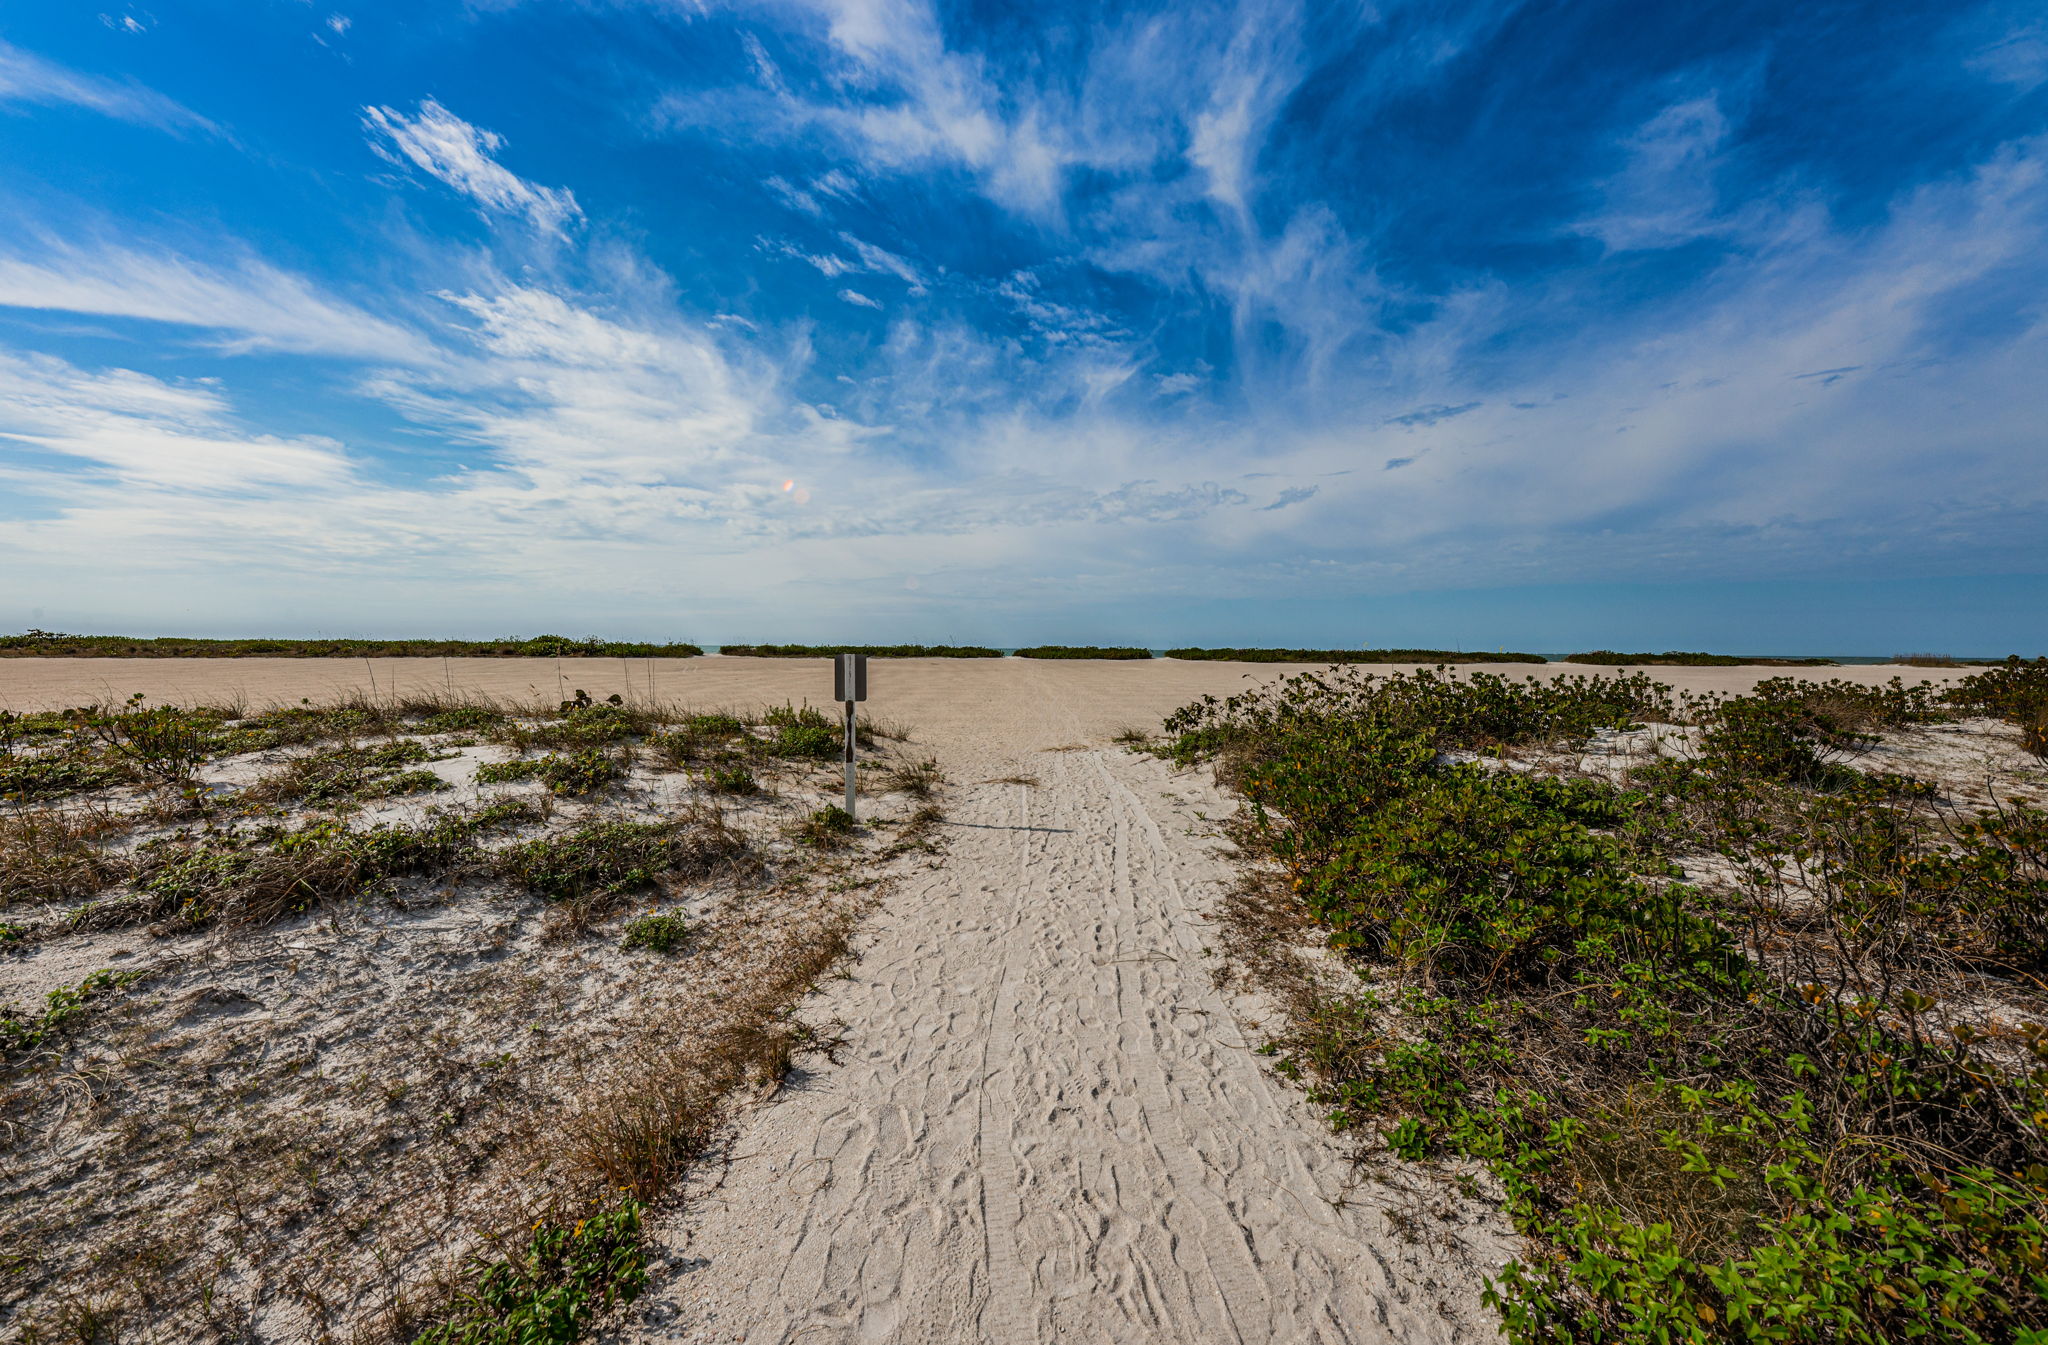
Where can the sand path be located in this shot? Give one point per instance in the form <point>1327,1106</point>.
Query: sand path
<point>1045,1122</point>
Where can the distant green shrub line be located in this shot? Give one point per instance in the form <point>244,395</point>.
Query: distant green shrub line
<point>1083,651</point>
<point>43,644</point>
<point>1350,656</point>
<point>1679,659</point>
<point>873,650</point>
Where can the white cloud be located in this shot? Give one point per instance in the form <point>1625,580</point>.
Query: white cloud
<point>251,304</point>
<point>28,78</point>
<point>141,431</point>
<point>882,260</point>
<point>826,263</point>
<point>1665,194</point>
<point>857,298</point>
<point>444,145</point>
<point>1260,70</point>
<point>796,198</point>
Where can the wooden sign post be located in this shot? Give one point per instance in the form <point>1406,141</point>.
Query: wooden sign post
<point>849,687</point>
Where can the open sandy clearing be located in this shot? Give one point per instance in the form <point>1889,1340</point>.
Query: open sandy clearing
<point>943,697</point>
<point>1045,1123</point>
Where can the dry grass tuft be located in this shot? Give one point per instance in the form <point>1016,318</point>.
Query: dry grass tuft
<point>51,854</point>
<point>915,778</point>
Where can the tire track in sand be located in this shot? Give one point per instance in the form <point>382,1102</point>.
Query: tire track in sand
<point>1046,1123</point>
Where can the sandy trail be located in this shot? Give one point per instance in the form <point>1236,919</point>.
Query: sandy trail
<point>1045,1123</point>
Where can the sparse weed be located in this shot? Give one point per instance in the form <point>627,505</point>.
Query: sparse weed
<point>548,1294</point>
<point>575,774</point>
<point>20,1033</point>
<point>915,778</point>
<point>606,859</point>
<point>55,775</point>
<point>828,828</point>
<point>256,878</point>
<point>656,933</point>
<point>56,856</point>
<point>734,779</point>
<point>350,774</point>
<point>163,744</point>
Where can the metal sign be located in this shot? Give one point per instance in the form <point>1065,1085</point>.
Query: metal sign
<point>850,677</point>
<point>850,685</point>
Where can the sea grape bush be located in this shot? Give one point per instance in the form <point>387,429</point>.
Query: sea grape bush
<point>2015,691</point>
<point>1720,1115</point>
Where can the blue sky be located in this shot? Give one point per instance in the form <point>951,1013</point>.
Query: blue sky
<point>1550,325</point>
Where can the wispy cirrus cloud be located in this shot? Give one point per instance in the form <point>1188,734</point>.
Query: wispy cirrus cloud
<point>28,78</point>
<point>245,303</point>
<point>131,430</point>
<point>446,147</point>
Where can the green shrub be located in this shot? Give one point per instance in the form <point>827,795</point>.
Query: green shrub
<point>555,1288</point>
<point>255,878</point>
<point>1351,656</point>
<point>807,742</point>
<point>19,1032</point>
<point>1718,1118</point>
<point>1501,878</point>
<point>1674,658</point>
<point>163,744</point>
<point>656,933</point>
<point>1083,651</point>
<point>733,779</point>
<point>349,774</point>
<point>872,650</point>
<point>610,858</point>
<point>46,645</point>
<point>828,827</point>
<point>463,719</point>
<point>796,717</point>
<point>575,774</point>
<point>2015,691</point>
<point>26,779</point>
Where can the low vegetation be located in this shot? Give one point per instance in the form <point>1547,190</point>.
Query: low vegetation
<point>1608,658</point>
<point>873,650</point>
<point>1083,651</point>
<point>558,1283</point>
<point>570,774</point>
<point>429,1072</point>
<point>656,933</point>
<point>2015,691</point>
<point>47,644</point>
<point>1350,656</point>
<point>1747,1031</point>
